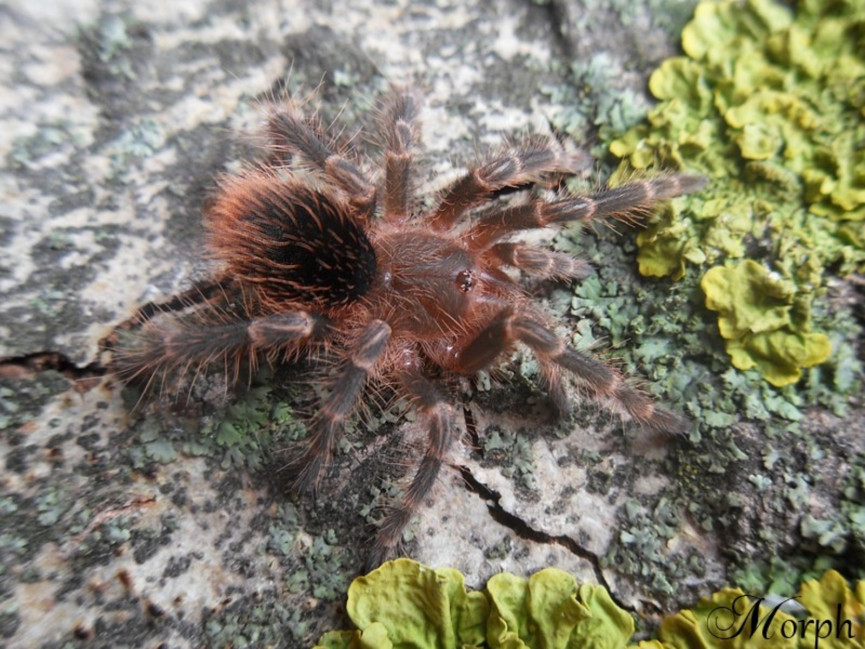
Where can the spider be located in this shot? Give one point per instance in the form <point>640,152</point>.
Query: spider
<point>316,260</point>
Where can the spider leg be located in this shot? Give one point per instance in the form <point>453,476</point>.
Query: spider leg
<point>551,380</point>
<point>161,347</point>
<point>200,293</point>
<point>539,262</point>
<point>327,424</point>
<point>597,381</point>
<point>517,166</point>
<point>289,131</point>
<point>398,119</point>
<point>438,415</point>
<point>626,202</point>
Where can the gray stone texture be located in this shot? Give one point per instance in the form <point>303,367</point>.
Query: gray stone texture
<point>144,524</point>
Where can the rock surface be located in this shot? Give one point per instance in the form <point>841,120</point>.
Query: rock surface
<point>164,524</point>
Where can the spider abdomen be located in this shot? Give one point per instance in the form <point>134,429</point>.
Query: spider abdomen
<point>291,242</point>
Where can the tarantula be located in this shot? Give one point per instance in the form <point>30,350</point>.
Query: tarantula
<point>317,260</point>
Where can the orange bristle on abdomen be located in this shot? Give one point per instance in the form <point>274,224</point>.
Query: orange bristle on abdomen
<point>293,244</point>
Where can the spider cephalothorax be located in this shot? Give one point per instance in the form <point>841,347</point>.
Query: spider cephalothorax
<point>314,258</point>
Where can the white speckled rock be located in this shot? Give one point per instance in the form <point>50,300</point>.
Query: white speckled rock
<point>166,524</point>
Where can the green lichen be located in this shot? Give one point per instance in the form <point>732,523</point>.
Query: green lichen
<point>404,604</point>
<point>113,43</point>
<point>641,548</point>
<point>769,103</point>
<point>780,577</point>
<point>741,425</point>
<point>724,621</point>
<point>48,139</point>
<point>21,400</point>
<point>711,624</point>
<point>596,99</point>
<point>512,451</point>
<point>241,433</point>
<point>262,624</point>
<point>551,609</point>
<point>832,596</point>
<point>141,140</point>
<point>764,321</point>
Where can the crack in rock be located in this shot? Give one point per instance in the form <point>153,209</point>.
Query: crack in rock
<point>523,530</point>
<point>27,366</point>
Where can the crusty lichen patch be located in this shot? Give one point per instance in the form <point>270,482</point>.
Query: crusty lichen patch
<point>769,103</point>
<point>751,468</point>
<point>760,318</point>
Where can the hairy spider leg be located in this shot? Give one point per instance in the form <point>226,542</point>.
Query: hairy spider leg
<point>437,414</point>
<point>162,347</point>
<point>328,423</point>
<point>539,262</point>
<point>626,202</point>
<point>398,119</point>
<point>201,293</point>
<point>290,132</point>
<point>519,165</point>
<point>597,381</point>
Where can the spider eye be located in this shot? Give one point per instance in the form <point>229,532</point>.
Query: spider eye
<point>465,280</point>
